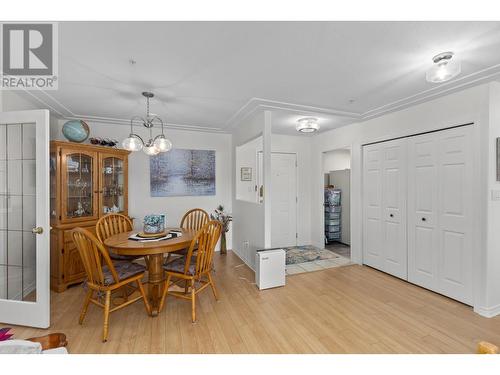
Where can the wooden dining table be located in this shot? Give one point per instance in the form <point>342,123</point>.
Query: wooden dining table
<point>153,251</point>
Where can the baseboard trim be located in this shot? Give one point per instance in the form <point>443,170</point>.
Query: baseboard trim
<point>242,259</point>
<point>488,312</point>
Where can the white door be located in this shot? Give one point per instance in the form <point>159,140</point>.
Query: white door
<point>384,181</point>
<point>423,232</point>
<point>24,211</point>
<point>283,200</point>
<point>440,212</point>
<point>372,206</point>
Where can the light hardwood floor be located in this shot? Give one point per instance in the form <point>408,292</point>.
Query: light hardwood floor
<point>351,309</point>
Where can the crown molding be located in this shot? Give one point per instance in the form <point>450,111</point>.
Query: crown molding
<point>469,80</point>
<point>481,76</point>
<point>126,122</point>
<point>255,104</point>
<point>66,113</point>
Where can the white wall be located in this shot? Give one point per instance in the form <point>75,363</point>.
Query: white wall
<point>469,105</point>
<point>490,263</point>
<point>249,231</point>
<point>140,201</point>
<point>246,157</point>
<point>336,160</point>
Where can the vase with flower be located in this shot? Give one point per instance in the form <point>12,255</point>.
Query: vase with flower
<point>225,219</point>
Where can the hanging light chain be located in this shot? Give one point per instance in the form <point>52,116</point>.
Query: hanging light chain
<point>155,144</point>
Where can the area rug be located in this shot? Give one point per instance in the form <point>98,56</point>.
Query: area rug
<point>308,253</point>
<point>300,259</point>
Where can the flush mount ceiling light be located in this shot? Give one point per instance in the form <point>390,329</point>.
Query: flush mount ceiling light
<point>307,125</point>
<point>154,145</point>
<point>445,68</point>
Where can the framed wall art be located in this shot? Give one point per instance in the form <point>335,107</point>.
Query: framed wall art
<point>246,174</point>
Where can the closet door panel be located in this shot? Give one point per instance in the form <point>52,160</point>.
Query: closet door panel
<point>440,213</point>
<point>372,193</point>
<point>455,194</point>
<point>423,236</point>
<point>384,192</point>
<point>394,207</point>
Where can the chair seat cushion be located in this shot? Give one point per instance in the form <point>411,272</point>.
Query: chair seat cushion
<point>124,269</point>
<point>123,257</point>
<point>178,265</point>
<point>180,252</point>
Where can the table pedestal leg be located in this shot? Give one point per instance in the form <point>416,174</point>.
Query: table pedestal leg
<point>156,279</point>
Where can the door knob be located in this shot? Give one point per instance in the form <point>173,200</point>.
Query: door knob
<point>391,215</point>
<point>424,219</point>
<point>37,230</point>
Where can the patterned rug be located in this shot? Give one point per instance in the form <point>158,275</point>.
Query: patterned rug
<point>301,259</point>
<point>308,253</point>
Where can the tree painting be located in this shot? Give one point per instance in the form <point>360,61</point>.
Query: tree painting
<point>182,172</point>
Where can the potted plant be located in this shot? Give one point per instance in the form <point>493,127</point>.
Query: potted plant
<point>224,218</point>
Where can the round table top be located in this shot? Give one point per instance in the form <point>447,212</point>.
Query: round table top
<point>120,244</point>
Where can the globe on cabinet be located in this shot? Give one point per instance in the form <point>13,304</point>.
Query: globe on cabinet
<point>76,130</point>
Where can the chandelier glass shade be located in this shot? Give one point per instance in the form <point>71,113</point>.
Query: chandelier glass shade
<point>154,145</point>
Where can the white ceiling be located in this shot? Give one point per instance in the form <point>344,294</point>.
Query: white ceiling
<point>210,75</point>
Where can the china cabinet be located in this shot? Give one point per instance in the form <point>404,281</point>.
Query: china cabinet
<point>86,182</point>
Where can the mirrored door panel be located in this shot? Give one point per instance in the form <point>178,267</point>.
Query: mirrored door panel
<point>112,185</point>
<point>17,212</point>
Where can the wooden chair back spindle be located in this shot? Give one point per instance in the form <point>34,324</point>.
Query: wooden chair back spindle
<point>195,219</point>
<point>112,224</point>
<point>205,239</point>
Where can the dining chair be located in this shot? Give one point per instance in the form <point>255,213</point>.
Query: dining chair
<point>194,269</point>
<point>194,219</point>
<point>111,224</point>
<point>105,276</point>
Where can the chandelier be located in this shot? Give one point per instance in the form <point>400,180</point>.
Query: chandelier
<point>154,145</point>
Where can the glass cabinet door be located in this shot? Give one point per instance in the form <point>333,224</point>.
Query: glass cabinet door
<point>78,185</point>
<point>113,194</point>
<point>53,184</point>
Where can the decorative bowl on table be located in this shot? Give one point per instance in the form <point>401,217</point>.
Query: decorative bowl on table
<point>154,224</point>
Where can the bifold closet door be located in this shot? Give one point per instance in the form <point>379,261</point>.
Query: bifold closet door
<point>439,212</point>
<point>384,227</point>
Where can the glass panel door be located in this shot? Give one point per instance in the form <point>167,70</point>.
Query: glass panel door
<point>113,185</point>
<point>24,218</point>
<point>17,217</point>
<point>78,186</point>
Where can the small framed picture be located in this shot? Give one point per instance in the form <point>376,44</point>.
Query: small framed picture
<point>246,174</point>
